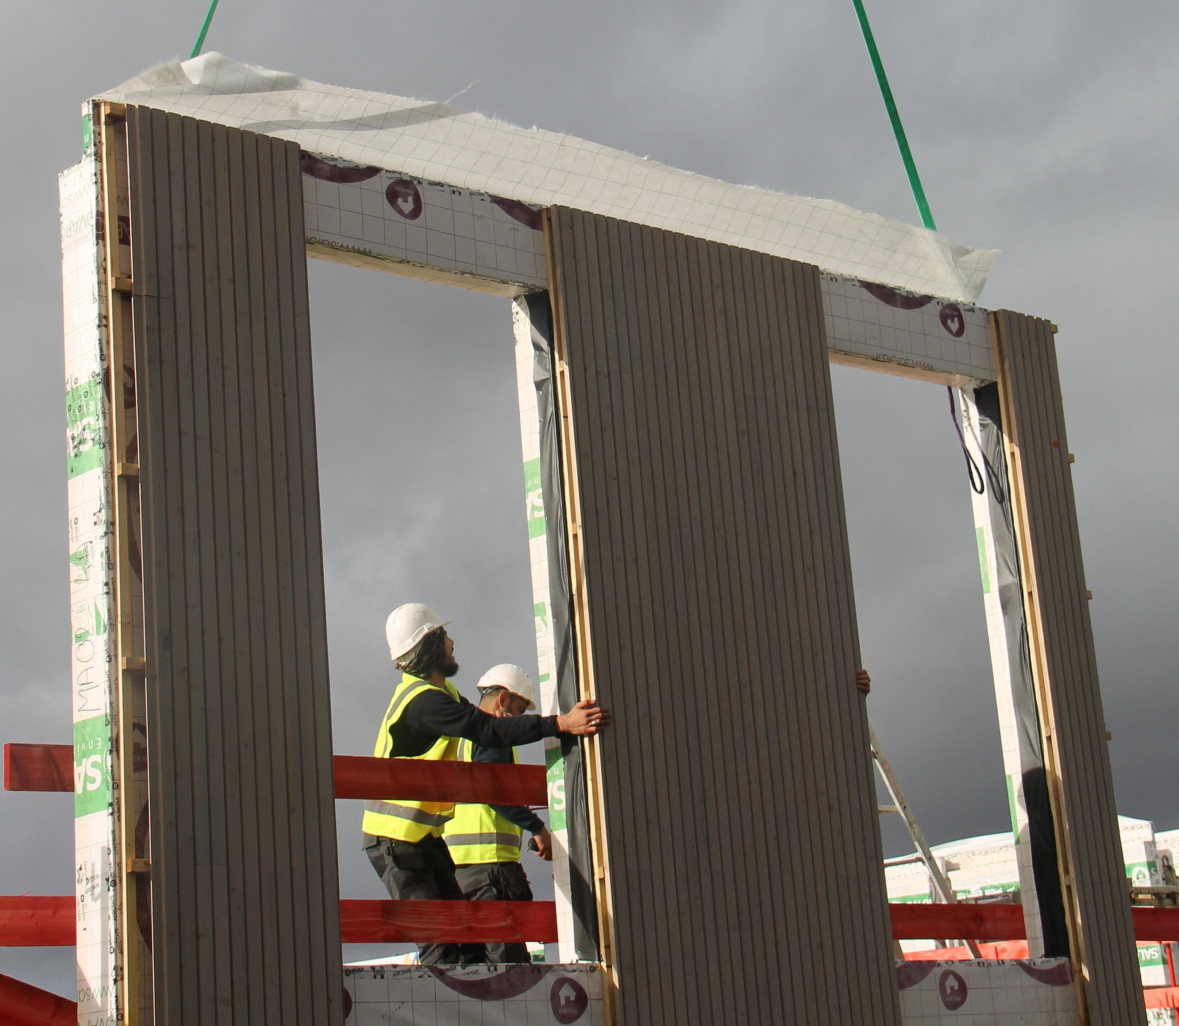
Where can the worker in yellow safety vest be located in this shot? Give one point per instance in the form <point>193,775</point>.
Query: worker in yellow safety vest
<point>425,719</point>
<point>484,840</point>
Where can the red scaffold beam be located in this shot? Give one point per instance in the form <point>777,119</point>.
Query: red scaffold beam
<point>969,922</point>
<point>36,921</point>
<point>38,767</point>
<point>22,1004</point>
<point>1161,997</point>
<point>360,776</point>
<point>446,922</point>
<point>995,951</point>
<point>1005,922</point>
<point>1155,924</point>
<point>31,921</point>
<point>50,768</point>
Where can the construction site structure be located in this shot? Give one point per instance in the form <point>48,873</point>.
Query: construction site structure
<point>985,870</point>
<point>686,521</point>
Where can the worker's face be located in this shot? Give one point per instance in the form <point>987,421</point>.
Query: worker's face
<point>449,665</point>
<point>517,706</point>
<point>507,704</point>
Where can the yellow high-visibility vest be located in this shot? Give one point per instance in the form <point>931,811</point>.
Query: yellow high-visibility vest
<point>406,820</point>
<point>478,834</point>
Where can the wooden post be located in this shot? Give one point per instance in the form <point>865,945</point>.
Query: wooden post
<point>1064,668</point>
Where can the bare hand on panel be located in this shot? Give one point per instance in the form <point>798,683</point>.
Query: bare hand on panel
<point>584,719</point>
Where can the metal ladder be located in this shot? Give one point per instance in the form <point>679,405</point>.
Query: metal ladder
<point>941,886</point>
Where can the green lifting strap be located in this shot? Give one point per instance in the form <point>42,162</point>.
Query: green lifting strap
<point>204,30</point>
<point>893,116</point>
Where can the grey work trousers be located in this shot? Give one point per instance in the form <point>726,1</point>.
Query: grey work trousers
<point>422,871</point>
<point>496,881</point>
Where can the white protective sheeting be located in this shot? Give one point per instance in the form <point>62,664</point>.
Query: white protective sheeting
<point>440,143</point>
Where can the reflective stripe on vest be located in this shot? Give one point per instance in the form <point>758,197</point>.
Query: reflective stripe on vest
<point>407,820</point>
<point>478,834</point>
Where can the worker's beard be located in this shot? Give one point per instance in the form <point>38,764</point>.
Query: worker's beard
<point>449,666</point>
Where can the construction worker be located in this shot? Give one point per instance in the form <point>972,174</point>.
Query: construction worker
<point>425,719</point>
<point>484,840</point>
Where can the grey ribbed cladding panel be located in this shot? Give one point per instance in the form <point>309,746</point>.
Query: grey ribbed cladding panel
<point>722,631</point>
<point>243,843</point>
<point>1065,666</point>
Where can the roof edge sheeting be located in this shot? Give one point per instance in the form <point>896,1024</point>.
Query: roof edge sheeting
<point>441,143</point>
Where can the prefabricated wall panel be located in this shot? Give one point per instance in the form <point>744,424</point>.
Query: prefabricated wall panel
<point>1065,669</point>
<point>712,573</point>
<point>243,840</point>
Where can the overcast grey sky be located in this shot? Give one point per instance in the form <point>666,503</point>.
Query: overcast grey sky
<point>1045,130</point>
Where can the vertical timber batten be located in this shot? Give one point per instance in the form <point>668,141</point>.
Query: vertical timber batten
<point>715,608</point>
<point>133,888</point>
<point>239,761</point>
<point>1065,670</point>
<point>578,576</point>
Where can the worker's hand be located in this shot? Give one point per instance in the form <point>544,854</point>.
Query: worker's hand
<point>863,681</point>
<point>542,844</point>
<point>584,719</point>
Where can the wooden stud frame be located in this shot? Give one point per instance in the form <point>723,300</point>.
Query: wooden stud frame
<point>130,783</point>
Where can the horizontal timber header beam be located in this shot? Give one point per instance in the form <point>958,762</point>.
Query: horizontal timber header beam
<point>385,220</point>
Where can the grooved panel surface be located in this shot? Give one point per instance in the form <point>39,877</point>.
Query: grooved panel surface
<point>721,631</point>
<point>243,842</point>
<point>1064,662</point>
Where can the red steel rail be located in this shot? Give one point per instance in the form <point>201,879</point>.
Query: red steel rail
<point>30,920</point>
<point>22,1004</point>
<point>29,767</point>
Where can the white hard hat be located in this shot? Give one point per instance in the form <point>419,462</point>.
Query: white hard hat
<point>407,625</point>
<point>512,677</point>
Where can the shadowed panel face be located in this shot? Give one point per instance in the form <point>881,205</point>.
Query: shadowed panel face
<point>1065,667</point>
<point>239,740</point>
<point>715,605</point>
